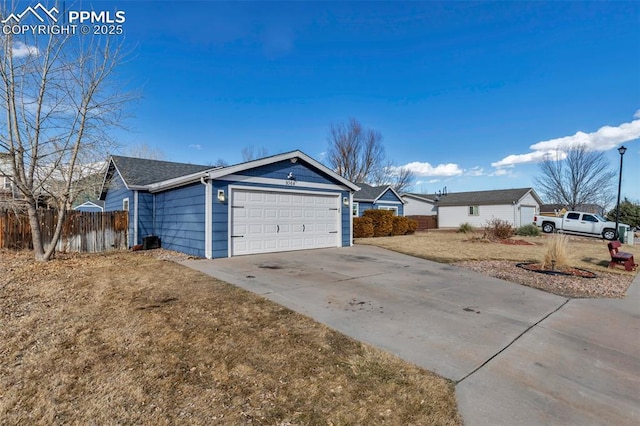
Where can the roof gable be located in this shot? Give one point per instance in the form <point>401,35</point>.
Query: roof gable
<point>368,193</point>
<point>154,175</point>
<point>494,197</point>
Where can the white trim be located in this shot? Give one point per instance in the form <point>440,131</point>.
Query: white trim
<point>220,172</point>
<point>215,174</point>
<point>390,208</point>
<point>135,218</point>
<point>280,182</point>
<point>208,219</point>
<point>232,188</point>
<point>88,204</point>
<point>389,188</point>
<point>388,202</point>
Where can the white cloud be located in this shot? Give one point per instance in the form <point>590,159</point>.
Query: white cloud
<point>426,169</point>
<point>500,172</point>
<point>195,146</point>
<point>603,139</point>
<point>475,171</point>
<point>21,49</point>
<point>532,157</point>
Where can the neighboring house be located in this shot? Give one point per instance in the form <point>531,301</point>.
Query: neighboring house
<point>90,206</point>
<point>7,189</point>
<point>516,206</point>
<point>560,209</point>
<point>284,202</point>
<point>420,204</point>
<point>376,197</point>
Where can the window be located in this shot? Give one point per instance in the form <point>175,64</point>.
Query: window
<point>574,216</point>
<point>589,218</point>
<point>125,204</point>
<point>6,184</point>
<point>394,209</point>
<point>354,209</point>
<point>474,211</point>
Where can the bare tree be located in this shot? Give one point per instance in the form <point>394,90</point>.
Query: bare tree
<point>403,179</point>
<point>582,177</point>
<point>59,100</point>
<point>354,152</point>
<point>358,154</point>
<point>144,150</point>
<point>250,153</point>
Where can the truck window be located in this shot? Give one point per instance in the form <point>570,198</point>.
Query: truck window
<point>589,218</point>
<point>574,216</point>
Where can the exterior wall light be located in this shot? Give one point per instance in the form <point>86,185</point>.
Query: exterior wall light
<point>345,201</point>
<point>221,196</point>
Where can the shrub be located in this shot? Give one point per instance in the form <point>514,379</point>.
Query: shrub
<point>465,228</point>
<point>412,226</point>
<point>400,225</point>
<point>498,229</point>
<point>557,252</point>
<point>528,231</point>
<point>362,227</point>
<point>382,222</point>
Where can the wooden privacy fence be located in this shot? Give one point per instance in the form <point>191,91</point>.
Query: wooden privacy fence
<point>81,232</point>
<point>425,222</point>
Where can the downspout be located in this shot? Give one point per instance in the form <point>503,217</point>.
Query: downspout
<point>135,218</point>
<point>351,218</point>
<point>208,217</point>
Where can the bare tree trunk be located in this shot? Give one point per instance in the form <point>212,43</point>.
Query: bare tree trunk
<point>59,100</point>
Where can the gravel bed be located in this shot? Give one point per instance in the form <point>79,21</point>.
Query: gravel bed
<point>604,285</point>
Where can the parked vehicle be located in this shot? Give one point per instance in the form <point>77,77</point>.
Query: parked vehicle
<point>579,223</point>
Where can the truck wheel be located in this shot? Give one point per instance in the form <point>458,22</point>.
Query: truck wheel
<point>609,234</point>
<point>548,228</point>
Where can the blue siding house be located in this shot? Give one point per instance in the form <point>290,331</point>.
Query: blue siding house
<point>284,202</point>
<point>376,197</point>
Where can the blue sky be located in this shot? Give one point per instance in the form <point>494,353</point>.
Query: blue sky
<point>467,94</point>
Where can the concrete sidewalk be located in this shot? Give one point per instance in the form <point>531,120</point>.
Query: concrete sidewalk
<point>518,355</point>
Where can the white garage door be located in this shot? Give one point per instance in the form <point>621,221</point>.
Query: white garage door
<point>526,215</point>
<point>265,221</point>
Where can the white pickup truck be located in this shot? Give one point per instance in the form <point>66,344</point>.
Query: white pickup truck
<point>579,223</point>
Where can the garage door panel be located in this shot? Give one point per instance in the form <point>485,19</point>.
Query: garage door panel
<point>277,221</point>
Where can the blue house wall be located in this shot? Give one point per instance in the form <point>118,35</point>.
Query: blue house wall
<point>280,170</point>
<point>179,219</point>
<point>116,193</point>
<point>177,215</point>
<point>389,198</point>
<point>145,215</point>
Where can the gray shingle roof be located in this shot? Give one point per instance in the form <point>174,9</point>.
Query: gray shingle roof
<point>368,192</point>
<point>494,197</point>
<point>140,171</point>
<point>426,197</point>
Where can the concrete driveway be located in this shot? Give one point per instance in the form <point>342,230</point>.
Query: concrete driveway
<point>517,355</point>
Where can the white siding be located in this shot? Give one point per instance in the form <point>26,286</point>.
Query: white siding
<point>413,206</point>
<point>526,203</point>
<point>454,216</point>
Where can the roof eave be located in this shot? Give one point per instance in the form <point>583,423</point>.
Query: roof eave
<point>281,157</point>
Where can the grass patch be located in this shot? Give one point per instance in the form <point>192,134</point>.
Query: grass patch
<point>124,338</point>
<point>451,247</point>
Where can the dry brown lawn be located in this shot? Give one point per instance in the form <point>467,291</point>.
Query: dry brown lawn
<point>126,338</point>
<point>471,251</point>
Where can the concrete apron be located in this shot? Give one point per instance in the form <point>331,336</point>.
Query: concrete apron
<point>517,355</point>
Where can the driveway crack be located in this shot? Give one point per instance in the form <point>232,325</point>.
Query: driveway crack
<point>513,341</point>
